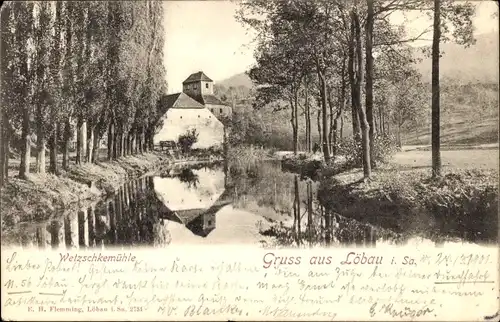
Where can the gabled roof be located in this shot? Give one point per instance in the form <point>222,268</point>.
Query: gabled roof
<point>179,100</point>
<point>196,77</point>
<point>208,99</point>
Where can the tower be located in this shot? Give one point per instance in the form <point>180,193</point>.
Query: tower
<point>197,85</point>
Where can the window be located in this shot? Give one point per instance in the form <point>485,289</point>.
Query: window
<point>206,85</point>
<point>194,86</point>
<point>209,222</point>
<point>220,111</point>
<point>198,115</point>
<point>181,116</point>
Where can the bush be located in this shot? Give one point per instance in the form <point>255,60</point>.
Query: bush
<point>351,150</point>
<point>187,140</point>
<point>384,147</point>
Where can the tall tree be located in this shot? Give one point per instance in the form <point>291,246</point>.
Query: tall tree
<point>369,24</point>
<point>8,87</point>
<point>356,79</point>
<point>43,99</point>
<point>436,146</point>
<point>56,87</point>
<point>23,15</point>
<point>68,88</point>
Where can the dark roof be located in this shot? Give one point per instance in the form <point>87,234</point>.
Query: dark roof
<point>196,77</point>
<point>208,99</point>
<point>188,215</point>
<point>179,100</point>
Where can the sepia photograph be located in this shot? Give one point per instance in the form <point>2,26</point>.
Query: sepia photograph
<point>270,123</point>
<point>249,160</point>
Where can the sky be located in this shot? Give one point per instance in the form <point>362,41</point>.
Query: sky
<point>204,36</point>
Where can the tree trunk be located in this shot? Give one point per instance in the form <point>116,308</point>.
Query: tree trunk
<point>356,129</point>
<point>131,143</point>
<point>145,140</point>
<point>296,122</point>
<point>4,148</point>
<point>66,138</point>
<point>381,119</point>
<point>436,148</point>
<point>324,104</point>
<point>399,136</point>
<point>307,117</point>
<point>118,141</point>
<point>343,88</point>
<point>111,141</point>
<point>297,207</point>
<point>341,127</point>
<point>369,76</point>
<point>332,120</point>
<point>365,143</point>
<point>53,150</point>
<point>151,140</point>
<point>116,145</point>
<point>41,144</point>
<point>294,129</point>
<point>148,139</point>
<point>79,140</point>
<point>141,140</point>
<point>95,146</point>
<point>6,156</point>
<point>24,168</point>
<point>335,128</point>
<point>310,211</point>
<point>134,142</point>
<point>122,144</point>
<point>127,144</point>
<point>320,133</point>
<point>89,140</point>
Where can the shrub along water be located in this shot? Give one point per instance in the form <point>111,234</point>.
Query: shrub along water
<point>461,204</point>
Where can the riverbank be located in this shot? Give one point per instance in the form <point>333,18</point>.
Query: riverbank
<point>461,204</point>
<point>42,195</point>
<point>402,197</point>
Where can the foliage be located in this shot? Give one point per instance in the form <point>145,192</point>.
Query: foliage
<point>189,177</point>
<point>71,63</point>
<point>242,158</point>
<point>384,147</point>
<point>187,140</point>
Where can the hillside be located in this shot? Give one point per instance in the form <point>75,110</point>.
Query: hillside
<point>469,94</point>
<point>476,64</point>
<point>237,80</point>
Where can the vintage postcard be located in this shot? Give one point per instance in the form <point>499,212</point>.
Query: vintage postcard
<point>320,160</point>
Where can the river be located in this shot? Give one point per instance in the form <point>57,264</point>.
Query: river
<point>207,204</point>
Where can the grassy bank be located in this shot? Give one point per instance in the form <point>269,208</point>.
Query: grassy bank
<point>461,204</point>
<point>41,196</point>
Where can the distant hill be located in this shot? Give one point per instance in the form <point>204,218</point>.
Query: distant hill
<point>237,80</point>
<point>476,64</point>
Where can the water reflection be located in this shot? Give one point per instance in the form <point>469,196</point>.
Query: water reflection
<point>141,213</point>
<point>204,204</point>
